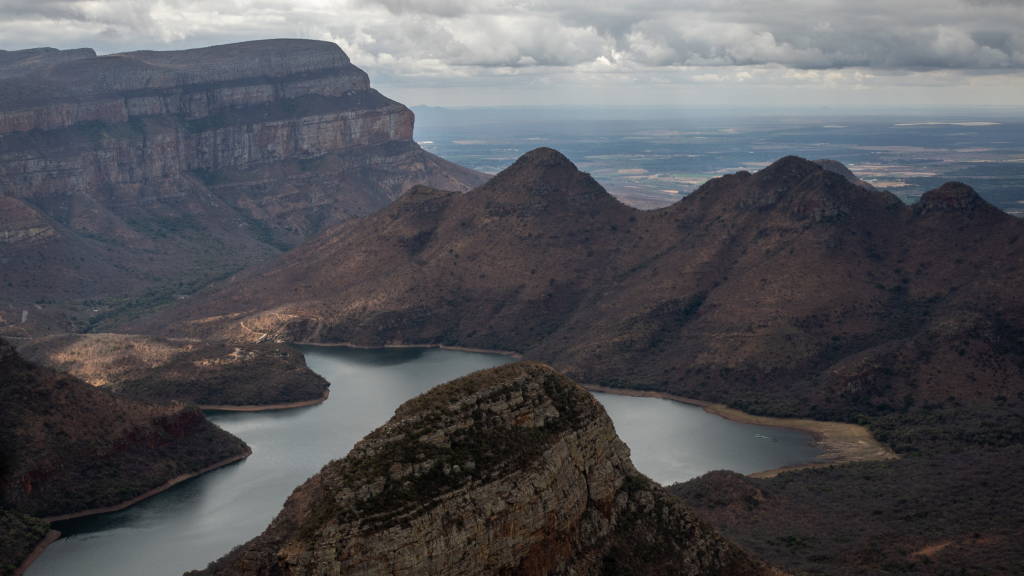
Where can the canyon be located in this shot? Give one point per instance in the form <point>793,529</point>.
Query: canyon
<point>510,470</point>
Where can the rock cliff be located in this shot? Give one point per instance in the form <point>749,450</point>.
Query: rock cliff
<point>224,154</point>
<point>513,470</point>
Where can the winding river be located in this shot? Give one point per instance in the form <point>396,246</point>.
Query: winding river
<point>197,521</point>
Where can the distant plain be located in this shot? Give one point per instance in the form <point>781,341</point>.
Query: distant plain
<point>649,157</point>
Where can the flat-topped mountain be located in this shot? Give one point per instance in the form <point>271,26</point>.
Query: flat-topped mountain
<point>148,169</point>
<point>512,470</point>
<point>788,291</point>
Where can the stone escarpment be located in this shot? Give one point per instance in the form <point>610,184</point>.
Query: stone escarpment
<point>248,147</point>
<point>513,470</point>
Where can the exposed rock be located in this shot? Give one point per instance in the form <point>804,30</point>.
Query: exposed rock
<point>20,223</point>
<point>246,148</point>
<point>514,470</point>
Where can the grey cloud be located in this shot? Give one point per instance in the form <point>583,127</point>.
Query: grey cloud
<point>798,34</point>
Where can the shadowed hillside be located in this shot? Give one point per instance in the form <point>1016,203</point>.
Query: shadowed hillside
<point>204,373</point>
<point>72,447</point>
<point>939,515</point>
<point>786,292</point>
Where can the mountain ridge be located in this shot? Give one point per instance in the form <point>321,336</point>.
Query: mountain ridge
<point>780,290</point>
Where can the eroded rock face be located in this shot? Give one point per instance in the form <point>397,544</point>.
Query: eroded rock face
<point>234,107</point>
<point>248,148</point>
<point>514,470</point>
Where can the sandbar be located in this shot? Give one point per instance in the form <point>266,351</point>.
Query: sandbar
<point>841,442</point>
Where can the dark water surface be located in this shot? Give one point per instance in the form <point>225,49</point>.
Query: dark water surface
<point>197,521</point>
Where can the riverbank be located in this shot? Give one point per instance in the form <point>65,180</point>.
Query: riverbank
<point>50,538</point>
<point>515,355</point>
<point>841,442</point>
<point>153,492</point>
<point>262,407</point>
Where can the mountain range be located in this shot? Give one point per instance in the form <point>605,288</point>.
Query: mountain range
<point>787,292</point>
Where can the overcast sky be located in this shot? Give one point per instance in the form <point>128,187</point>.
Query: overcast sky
<point>485,52</point>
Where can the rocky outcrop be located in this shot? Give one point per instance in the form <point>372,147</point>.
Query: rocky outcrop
<point>514,470</point>
<point>235,106</point>
<point>20,223</point>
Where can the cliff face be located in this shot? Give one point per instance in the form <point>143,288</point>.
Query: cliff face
<point>514,470</point>
<point>248,147</point>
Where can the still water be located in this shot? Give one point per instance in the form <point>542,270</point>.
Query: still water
<point>199,520</point>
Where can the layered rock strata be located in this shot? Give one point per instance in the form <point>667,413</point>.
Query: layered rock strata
<point>248,147</point>
<point>513,470</point>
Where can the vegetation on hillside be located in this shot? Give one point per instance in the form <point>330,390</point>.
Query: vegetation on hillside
<point>73,447</point>
<point>204,373</point>
<point>943,514</point>
<point>19,534</point>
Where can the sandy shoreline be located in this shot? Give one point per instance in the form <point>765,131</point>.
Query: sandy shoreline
<point>50,538</point>
<point>152,492</point>
<point>262,407</point>
<point>841,442</point>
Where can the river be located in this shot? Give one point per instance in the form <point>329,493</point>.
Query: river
<point>198,521</point>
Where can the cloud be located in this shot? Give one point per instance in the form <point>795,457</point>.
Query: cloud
<point>543,43</point>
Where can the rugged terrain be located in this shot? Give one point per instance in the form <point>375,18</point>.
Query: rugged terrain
<point>947,514</point>
<point>149,174</point>
<point>787,292</point>
<point>197,372</point>
<point>513,470</point>
<point>69,447</point>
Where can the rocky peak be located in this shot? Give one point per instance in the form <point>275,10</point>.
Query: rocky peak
<point>513,470</point>
<point>841,169</point>
<point>540,180</point>
<point>951,196</point>
<point>801,188</point>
